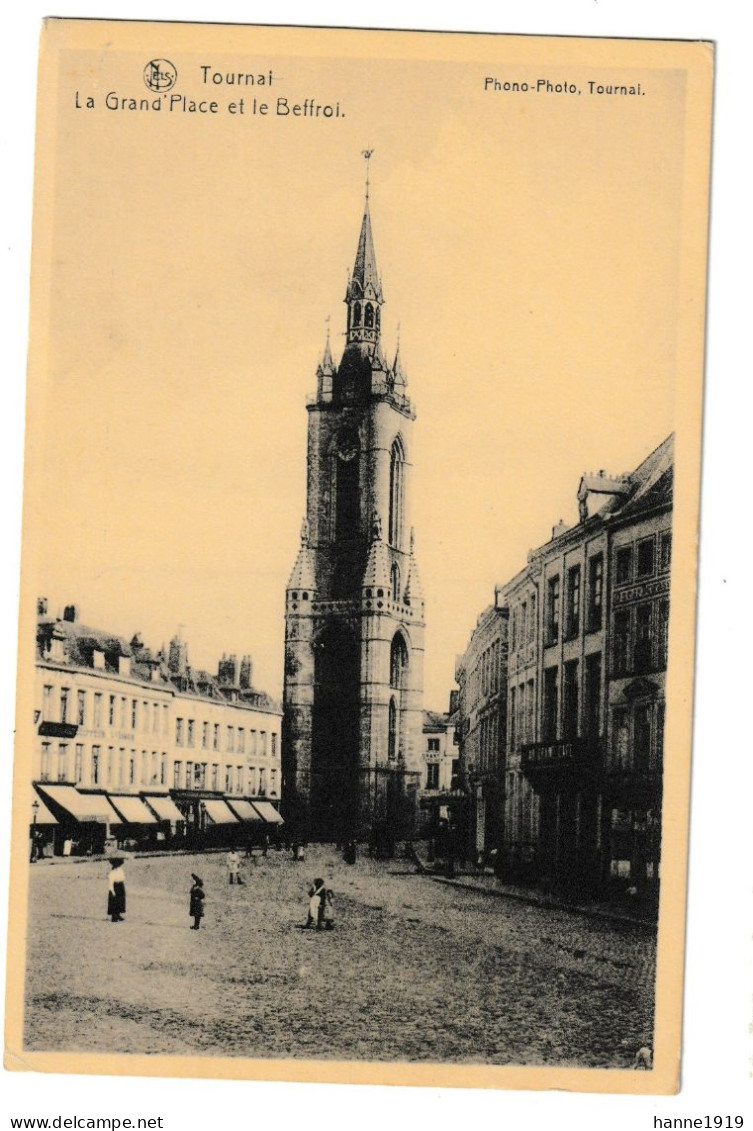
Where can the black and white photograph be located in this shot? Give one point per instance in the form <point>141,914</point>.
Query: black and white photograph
<point>359,562</point>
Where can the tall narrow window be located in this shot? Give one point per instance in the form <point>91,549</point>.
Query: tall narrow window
<point>395,582</point>
<point>663,633</point>
<point>643,638</point>
<point>81,708</point>
<point>347,502</point>
<point>397,492</point>
<point>392,732</point>
<point>621,642</point>
<point>398,661</point>
<point>642,758</point>
<point>78,766</point>
<point>64,705</point>
<point>570,703</point>
<point>573,601</point>
<point>620,739</point>
<point>592,704</point>
<point>595,591</point>
<point>553,611</point>
<point>550,704</point>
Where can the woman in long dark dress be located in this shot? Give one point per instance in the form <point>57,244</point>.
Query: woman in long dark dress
<point>116,896</point>
<point>196,907</point>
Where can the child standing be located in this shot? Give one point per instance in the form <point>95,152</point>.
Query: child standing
<point>196,907</point>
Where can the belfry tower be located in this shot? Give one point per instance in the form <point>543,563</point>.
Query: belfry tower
<point>354,611</point>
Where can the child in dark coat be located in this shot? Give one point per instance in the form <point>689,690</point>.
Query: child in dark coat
<point>196,907</point>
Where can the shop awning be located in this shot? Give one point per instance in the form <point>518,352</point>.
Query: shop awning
<point>219,812</point>
<point>267,810</point>
<point>244,809</point>
<point>165,808</point>
<point>83,807</point>
<point>42,815</point>
<point>132,809</point>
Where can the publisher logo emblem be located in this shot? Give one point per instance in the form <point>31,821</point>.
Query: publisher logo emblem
<point>160,75</point>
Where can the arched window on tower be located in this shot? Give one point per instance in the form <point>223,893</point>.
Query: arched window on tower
<point>395,581</point>
<point>368,318</point>
<point>398,661</point>
<point>397,494</point>
<point>357,314</point>
<point>347,502</point>
<point>392,732</point>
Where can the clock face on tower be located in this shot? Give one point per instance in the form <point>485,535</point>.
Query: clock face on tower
<point>347,447</point>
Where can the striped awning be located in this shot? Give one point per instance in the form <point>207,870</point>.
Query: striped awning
<point>267,810</point>
<point>219,812</point>
<point>132,810</point>
<point>164,807</point>
<point>244,809</point>
<point>83,807</point>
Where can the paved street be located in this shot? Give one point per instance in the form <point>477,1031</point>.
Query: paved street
<point>415,970</point>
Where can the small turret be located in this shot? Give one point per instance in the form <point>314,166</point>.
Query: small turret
<point>376,576</point>
<point>303,578</point>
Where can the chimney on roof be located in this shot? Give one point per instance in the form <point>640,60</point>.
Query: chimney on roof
<point>227,670</point>
<point>559,529</point>
<point>177,660</point>
<point>246,674</point>
<point>70,613</point>
<point>41,606</point>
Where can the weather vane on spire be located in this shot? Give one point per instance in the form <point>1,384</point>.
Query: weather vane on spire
<point>367,154</point>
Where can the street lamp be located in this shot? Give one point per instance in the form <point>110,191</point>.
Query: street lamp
<point>34,848</point>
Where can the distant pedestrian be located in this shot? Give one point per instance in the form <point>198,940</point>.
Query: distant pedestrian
<point>316,909</point>
<point>349,852</point>
<point>234,867</point>
<point>197,897</point>
<point>328,910</point>
<point>116,895</point>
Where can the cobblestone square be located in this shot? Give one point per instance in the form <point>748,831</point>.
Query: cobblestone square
<point>414,970</point>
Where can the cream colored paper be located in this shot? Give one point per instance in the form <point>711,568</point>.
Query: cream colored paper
<point>206,249</point>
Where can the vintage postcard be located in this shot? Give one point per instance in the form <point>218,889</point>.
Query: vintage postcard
<point>359,561</point>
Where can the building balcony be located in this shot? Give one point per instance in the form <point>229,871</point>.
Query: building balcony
<point>57,730</point>
<point>570,758</point>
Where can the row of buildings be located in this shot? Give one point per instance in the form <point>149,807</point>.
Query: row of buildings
<point>136,746</point>
<point>561,697</point>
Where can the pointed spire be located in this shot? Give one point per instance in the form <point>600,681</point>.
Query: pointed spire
<point>327,364</point>
<point>304,574</point>
<point>364,282</point>
<point>398,372</point>
<point>377,572</point>
<point>414,593</point>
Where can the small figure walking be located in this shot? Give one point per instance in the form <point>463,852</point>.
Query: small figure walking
<point>116,895</point>
<point>233,867</point>
<point>316,905</point>
<point>328,910</point>
<point>196,907</point>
